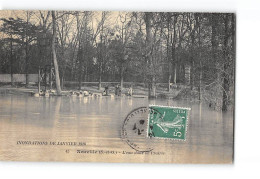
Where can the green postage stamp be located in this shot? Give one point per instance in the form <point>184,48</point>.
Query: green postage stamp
<point>167,122</point>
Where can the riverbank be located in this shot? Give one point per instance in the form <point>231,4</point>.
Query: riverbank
<point>137,91</point>
<point>212,100</point>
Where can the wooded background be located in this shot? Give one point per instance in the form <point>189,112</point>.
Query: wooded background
<point>193,49</point>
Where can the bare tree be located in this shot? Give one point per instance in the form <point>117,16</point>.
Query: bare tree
<point>28,16</point>
<point>55,62</point>
<point>64,25</point>
<point>102,51</point>
<point>151,85</point>
<point>124,34</point>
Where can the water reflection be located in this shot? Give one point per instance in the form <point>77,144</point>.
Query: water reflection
<point>98,121</point>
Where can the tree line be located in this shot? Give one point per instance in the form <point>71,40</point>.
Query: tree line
<point>195,49</point>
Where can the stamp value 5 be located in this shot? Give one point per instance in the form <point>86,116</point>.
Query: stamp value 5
<point>167,122</point>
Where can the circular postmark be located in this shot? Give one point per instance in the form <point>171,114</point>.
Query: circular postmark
<point>134,130</point>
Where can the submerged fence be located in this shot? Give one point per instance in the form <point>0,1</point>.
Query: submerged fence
<point>33,79</point>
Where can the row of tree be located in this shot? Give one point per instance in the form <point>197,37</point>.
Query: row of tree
<point>197,49</point>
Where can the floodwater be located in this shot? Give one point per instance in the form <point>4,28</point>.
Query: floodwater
<point>36,129</point>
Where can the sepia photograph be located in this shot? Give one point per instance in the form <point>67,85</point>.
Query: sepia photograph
<point>117,86</point>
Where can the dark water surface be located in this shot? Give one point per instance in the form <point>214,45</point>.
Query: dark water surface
<point>97,122</point>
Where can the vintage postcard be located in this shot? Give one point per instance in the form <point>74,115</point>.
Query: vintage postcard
<point>132,87</point>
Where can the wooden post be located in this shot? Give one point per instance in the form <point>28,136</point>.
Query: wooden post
<point>39,80</point>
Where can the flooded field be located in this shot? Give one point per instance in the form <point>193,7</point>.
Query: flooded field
<point>95,125</point>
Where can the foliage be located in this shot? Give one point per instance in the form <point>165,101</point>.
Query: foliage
<point>193,49</point>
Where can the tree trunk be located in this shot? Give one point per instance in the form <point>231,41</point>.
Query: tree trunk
<point>168,54</point>
<point>99,82</point>
<point>215,61</point>
<point>214,44</point>
<point>26,54</point>
<point>174,59</point>
<point>122,78</point>
<point>169,77</point>
<point>152,90</point>
<point>11,61</point>
<point>26,65</point>
<point>63,68</point>
<point>86,72</point>
<point>226,67</point>
<point>55,62</point>
<point>192,71</point>
<point>153,94</point>
<point>232,59</point>
<point>200,81</point>
<point>175,74</point>
<point>39,80</point>
<point>200,69</point>
<point>80,54</point>
<point>100,71</point>
<point>101,56</point>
